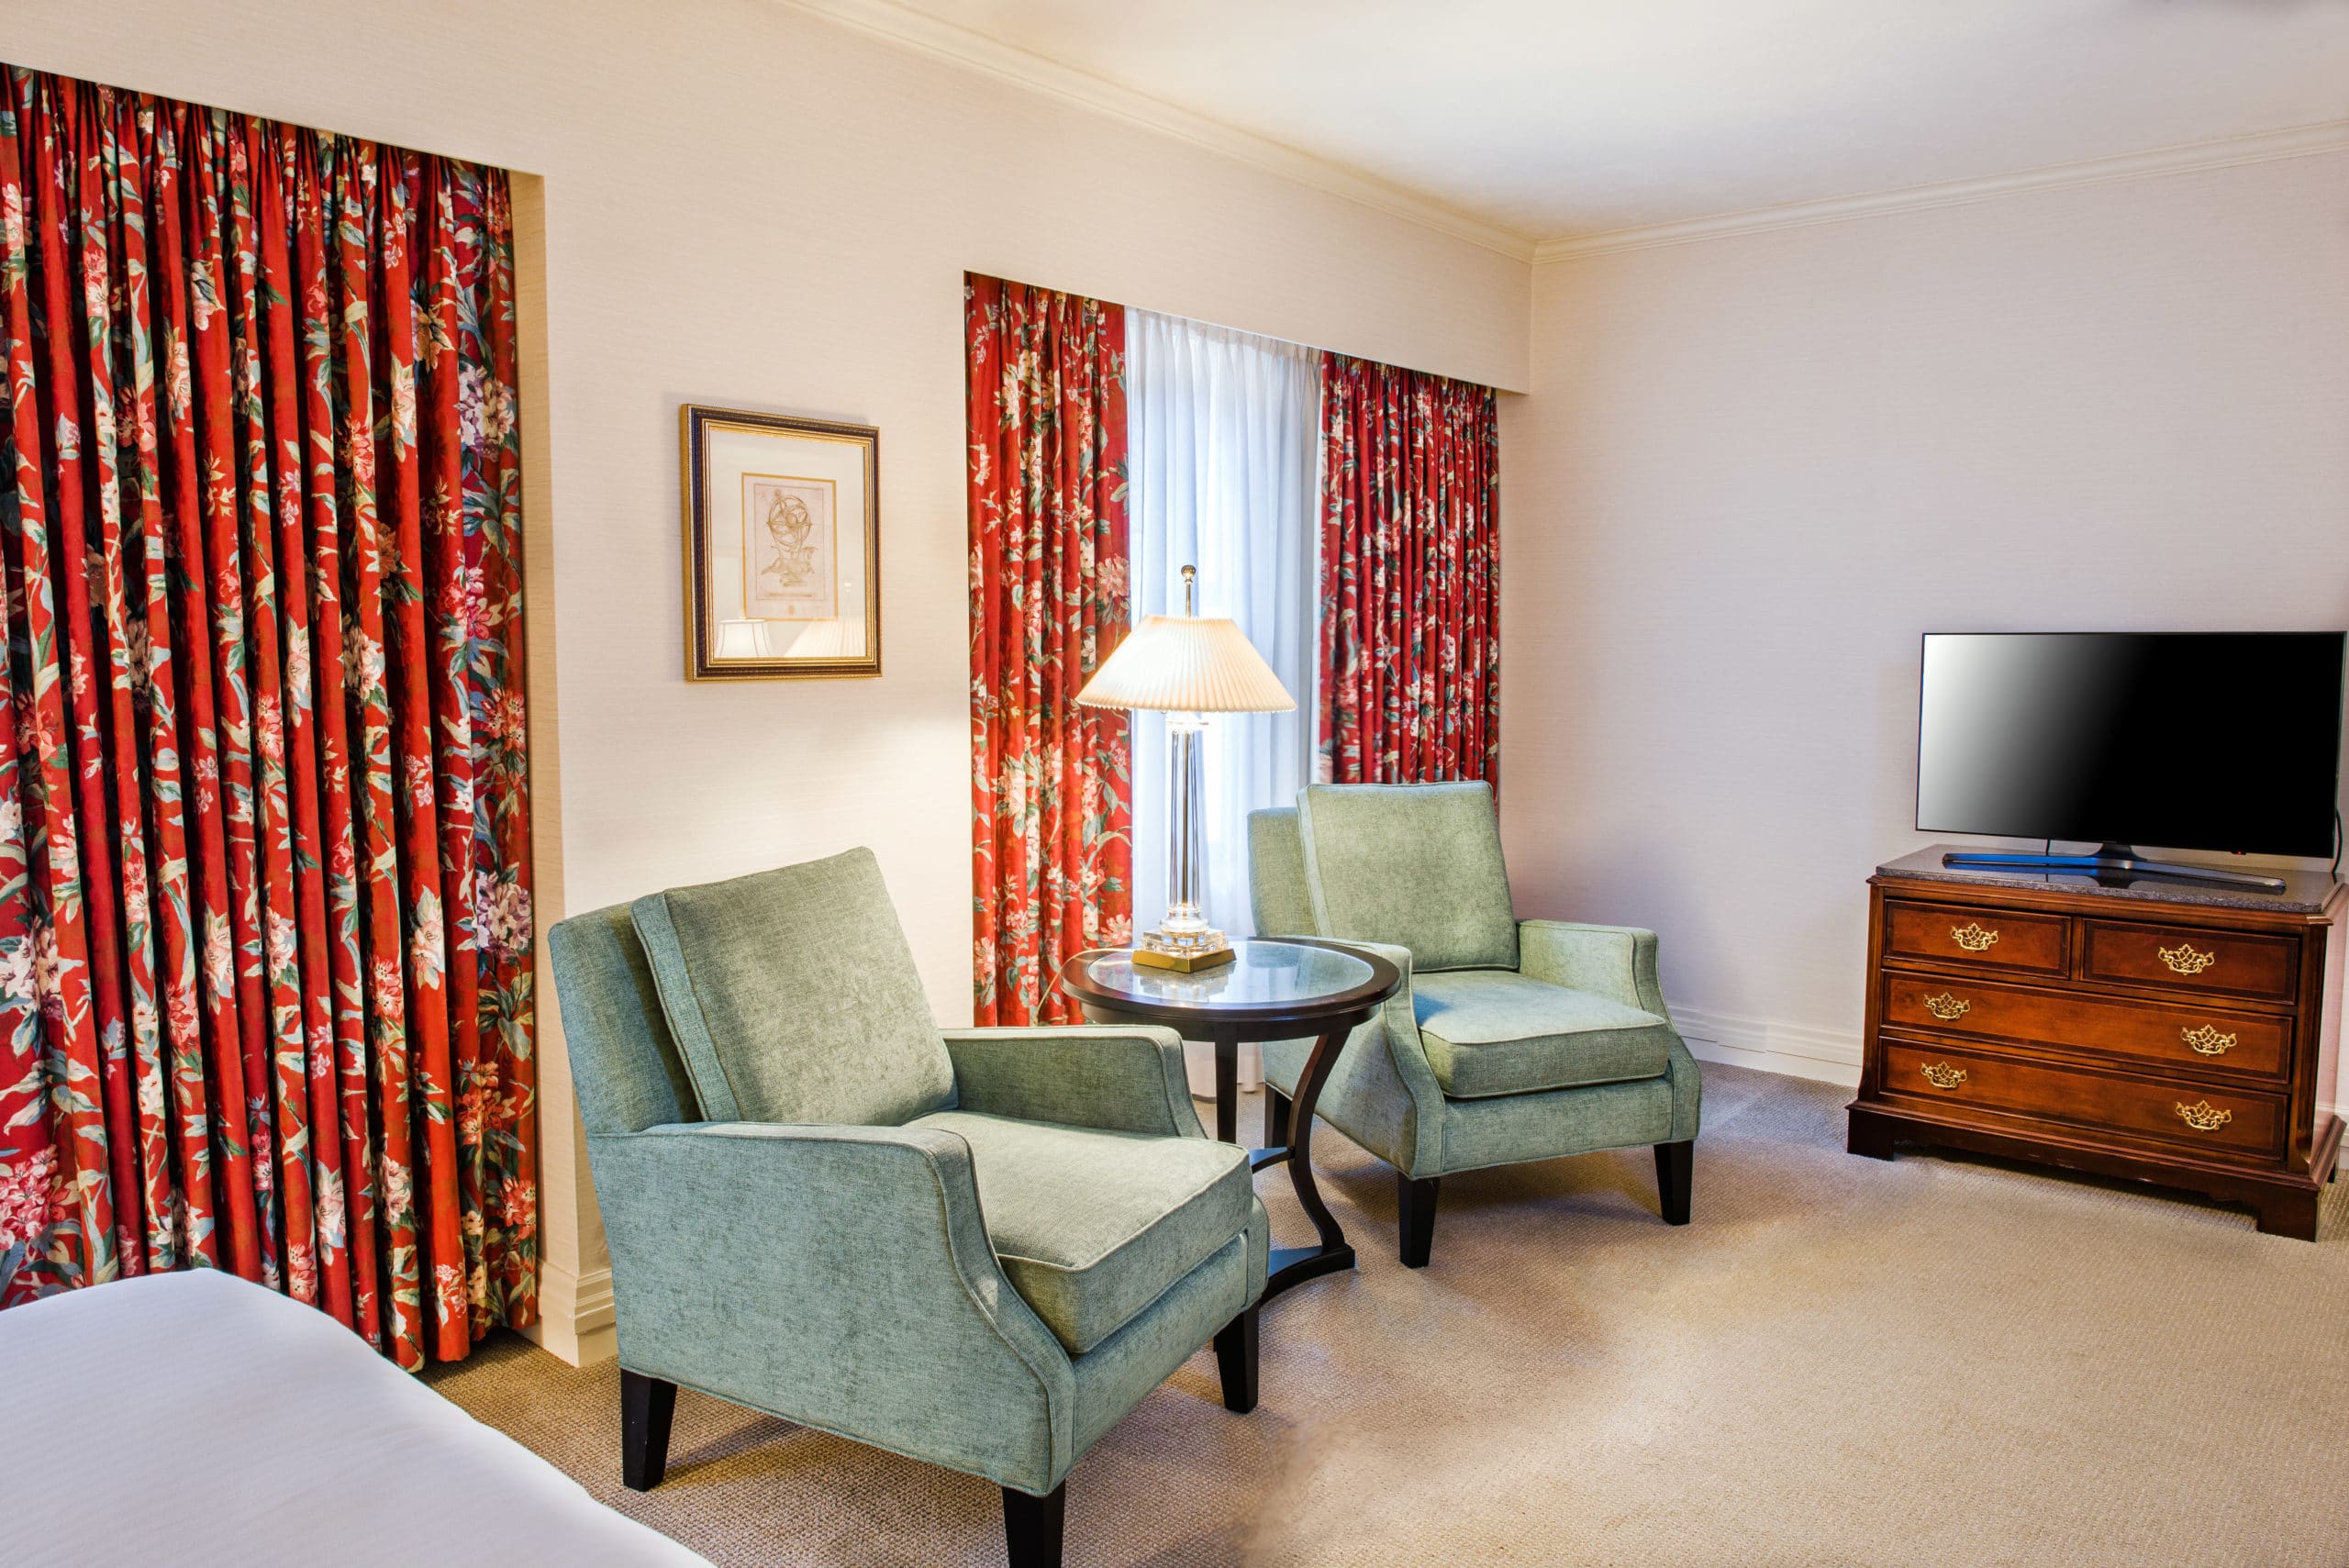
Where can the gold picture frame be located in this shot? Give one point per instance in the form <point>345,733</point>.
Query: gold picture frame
<point>781,546</point>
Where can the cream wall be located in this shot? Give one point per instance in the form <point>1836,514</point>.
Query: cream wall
<point>1753,470</point>
<point>747,205</point>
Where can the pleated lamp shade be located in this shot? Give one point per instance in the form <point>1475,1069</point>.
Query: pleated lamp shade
<point>1187,664</point>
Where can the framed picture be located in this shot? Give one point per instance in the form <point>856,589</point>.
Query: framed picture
<point>782,546</point>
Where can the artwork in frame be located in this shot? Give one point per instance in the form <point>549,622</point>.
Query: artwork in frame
<point>782,546</point>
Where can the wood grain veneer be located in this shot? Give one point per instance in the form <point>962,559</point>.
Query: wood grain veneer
<point>2157,1032</point>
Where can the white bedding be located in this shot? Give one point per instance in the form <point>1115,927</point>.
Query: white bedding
<point>194,1418</point>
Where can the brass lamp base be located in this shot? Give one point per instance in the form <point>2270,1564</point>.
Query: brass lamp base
<point>1186,954</point>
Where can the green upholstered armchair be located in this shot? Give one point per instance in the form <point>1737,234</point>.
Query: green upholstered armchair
<point>979,1248</point>
<point>1510,1040</point>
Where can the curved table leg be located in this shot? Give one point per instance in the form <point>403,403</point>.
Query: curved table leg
<point>1291,1266</point>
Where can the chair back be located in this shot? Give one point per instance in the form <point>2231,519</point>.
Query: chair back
<point>794,998</point>
<point>625,1066</point>
<point>1277,901</point>
<point>1418,865</point>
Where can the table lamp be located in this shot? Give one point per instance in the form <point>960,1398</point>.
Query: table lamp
<point>1186,666</point>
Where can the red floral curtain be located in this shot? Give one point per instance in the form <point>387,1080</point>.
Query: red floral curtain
<point>1411,586</point>
<point>264,885</point>
<point>1050,803</point>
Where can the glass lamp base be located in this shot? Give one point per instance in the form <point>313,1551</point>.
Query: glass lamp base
<point>1184,952</point>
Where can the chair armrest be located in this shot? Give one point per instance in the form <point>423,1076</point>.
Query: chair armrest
<point>1614,962</point>
<point>1395,1089</point>
<point>1400,1020</point>
<point>1116,1077</point>
<point>836,1276</point>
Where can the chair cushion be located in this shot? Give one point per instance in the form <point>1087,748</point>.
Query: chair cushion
<point>1490,1032</point>
<point>794,998</point>
<point>1093,1227</point>
<point>1417,865</point>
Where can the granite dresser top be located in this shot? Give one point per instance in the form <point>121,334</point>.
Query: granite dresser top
<point>2305,891</point>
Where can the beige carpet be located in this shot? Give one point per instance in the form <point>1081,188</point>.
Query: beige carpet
<point>1936,1362</point>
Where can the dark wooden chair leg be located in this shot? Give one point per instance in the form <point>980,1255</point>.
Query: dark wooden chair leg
<point>1276,1117</point>
<point>1235,1359</point>
<point>1415,1217</point>
<point>646,1406</point>
<point>1031,1526</point>
<point>1675,1168</point>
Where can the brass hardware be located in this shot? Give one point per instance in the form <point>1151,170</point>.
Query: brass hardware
<point>2207,1041</point>
<point>1946,1007</point>
<point>1942,1075</point>
<point>1971,936</point>
<point>2204,1117</point>
<point>2183,960</point>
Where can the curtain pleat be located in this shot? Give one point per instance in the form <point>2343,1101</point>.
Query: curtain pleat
<point>264,888</point>
<point>1411,587</point>
<point>1050,803</point>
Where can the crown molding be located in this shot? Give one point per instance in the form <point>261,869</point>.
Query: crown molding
<point>2299,142</point>
<point>960,46</point>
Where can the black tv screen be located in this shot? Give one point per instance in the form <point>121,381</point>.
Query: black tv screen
<point>2202,740</point>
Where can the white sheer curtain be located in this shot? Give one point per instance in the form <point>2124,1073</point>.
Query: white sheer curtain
<point>1221,454</point>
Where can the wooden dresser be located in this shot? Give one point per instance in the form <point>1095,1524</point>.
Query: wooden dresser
<point>2167,1032</point>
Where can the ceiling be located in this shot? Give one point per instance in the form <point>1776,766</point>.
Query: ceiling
<point>1560,118</point>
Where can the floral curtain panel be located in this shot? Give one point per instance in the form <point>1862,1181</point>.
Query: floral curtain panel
<point>1050,803</point>
<point>264,890</point>
<point>1411,584</point>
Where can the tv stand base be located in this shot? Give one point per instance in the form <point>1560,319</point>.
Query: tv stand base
<point>2110,860</point>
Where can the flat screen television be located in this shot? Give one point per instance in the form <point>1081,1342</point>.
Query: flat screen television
<point>2199,741</point>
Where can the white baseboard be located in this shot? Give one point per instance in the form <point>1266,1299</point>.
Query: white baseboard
<point>575,1315</point>
<point>1797,1051</point>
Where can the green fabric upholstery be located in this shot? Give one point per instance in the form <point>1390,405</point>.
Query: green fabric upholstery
<point>1416,865</point>
<point>1092,1226</point>
<point>1614,962</point>
<point>840,1277</point>
<point>1490,1031</point>
<point>624,1066</point>
<point>1121,1080</point>
<point>1277,901</point>
<point>1381,1092</point>
<point>1514,1128</point>
<point>840,1272</point>
<point>796,997</point>
<point>1115,1375</point>
<point>1621,1080</point>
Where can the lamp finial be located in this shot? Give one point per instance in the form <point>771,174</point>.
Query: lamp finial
<point>1190,576</point>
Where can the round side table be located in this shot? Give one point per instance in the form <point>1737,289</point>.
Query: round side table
<point>1272,990</point>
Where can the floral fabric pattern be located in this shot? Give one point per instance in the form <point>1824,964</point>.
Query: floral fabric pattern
<point>1411,584</point>
<point>1051,799</point>
<point>265,934</point>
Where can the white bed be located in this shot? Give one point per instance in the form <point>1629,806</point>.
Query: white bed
<point>194,1418</point>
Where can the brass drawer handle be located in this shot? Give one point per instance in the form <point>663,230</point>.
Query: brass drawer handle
<point>2204,1117</point>
<point>1948,1007</point>
<point>2207,1041</point>
<point>1942,1075</point>
<point>1971,936</point>
<point>2183,960</point>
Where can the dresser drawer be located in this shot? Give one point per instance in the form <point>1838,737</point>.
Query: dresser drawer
<point>2221,1120</point>
<point>2218,963</point>
<point>1977,938</point>
<point>2178,1035</point>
